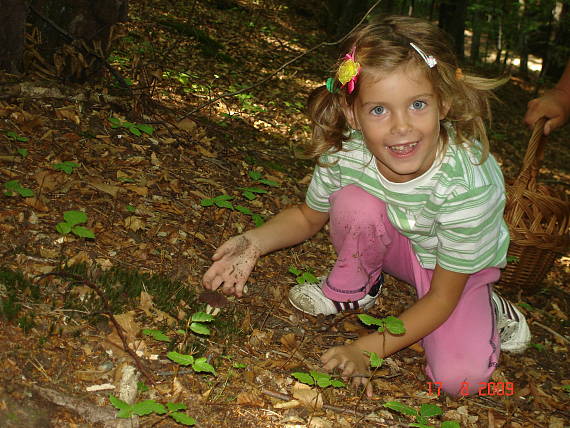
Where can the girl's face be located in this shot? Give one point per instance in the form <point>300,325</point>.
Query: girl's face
<point>399,117</point>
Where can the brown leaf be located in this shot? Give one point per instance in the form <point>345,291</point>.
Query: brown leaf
<point>104,187</point>
<point>308,396</point>
<point>250,399</point>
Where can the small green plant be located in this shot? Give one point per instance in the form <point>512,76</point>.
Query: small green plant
<point>257,176</point>
<point>66,166</point>
<point>147,407</point>
<point>323,380</point>
<point>221,201</point>
<point>14,187</point>
<point>23,152</point>
<point>198,364</point>
<point>15,137</point>
<point>134,128</point>
<point>197,323</point>
<point>250,193</point>
<point>422,415</point>
<point>302,277</point>
<point>392,324</point>
<point>156,335</point>
<point>72,220</point>
<point>566,388</point>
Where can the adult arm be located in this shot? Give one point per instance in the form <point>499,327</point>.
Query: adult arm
<point>236,258</point>
<point>554,104</point>
<point>426,315</point>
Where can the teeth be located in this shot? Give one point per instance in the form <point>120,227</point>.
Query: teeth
<point>404,147</point>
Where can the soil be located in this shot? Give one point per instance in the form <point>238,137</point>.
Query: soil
<point>153,203</point>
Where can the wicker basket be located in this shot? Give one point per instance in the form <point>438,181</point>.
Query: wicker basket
<point>538,221</point>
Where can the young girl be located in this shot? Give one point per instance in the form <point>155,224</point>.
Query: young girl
<point>405,178</point>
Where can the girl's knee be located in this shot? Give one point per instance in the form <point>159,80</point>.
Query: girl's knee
<point>353,198</point>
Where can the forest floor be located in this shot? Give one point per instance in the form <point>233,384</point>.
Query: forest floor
<point>154,203</point>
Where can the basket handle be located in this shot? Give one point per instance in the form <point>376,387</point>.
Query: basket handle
<point>533,156</point>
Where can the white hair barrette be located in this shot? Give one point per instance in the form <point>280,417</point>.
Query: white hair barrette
<point>429,59</point>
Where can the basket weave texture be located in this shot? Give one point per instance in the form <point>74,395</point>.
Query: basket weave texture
<point>538,220</point>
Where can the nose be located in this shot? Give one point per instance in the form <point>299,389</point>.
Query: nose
<point>401,123</point>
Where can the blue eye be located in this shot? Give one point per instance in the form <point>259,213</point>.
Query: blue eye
<point>378,110</point>
<point>418,105</point>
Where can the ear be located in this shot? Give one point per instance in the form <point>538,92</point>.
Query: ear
<point>445,106</point>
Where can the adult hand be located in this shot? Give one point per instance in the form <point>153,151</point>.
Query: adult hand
<point>233,262</point>
<point>352,361</point>
<point>554,105</point>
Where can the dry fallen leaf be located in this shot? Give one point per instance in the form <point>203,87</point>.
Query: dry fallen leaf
<point>308,396</point>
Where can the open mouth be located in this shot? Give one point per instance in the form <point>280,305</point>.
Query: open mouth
<point>403,149</point>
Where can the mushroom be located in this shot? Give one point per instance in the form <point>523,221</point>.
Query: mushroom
<point>214,302</point>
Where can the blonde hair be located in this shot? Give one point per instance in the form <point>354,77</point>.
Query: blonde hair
<point>382,47</point>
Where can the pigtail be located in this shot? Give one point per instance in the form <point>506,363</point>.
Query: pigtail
<point>329,124</point>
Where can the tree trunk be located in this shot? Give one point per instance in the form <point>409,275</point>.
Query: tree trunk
<point>70,38</point>
<point>452,20</point>
<point>476,38</point>
<point>13,17</point>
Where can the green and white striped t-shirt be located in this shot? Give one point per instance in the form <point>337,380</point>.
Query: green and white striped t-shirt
<point>453,213</point>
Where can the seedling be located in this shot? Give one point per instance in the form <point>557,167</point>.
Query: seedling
<point>251,193</point>
<point>257,176</point>
<point>421,416</point>
<point>66,166</point>
<point>323,380</point>
<point>15,137</point>
<point>72,220</point>
<point>134,128</point>
<point>147,407</point>
<point>156,335</point>
<point>14,187</point>
<point>303,277</point>
<point>221,201</point>
<point>197,325</point>
<point>22,152</point>
<point>198,364</point>
<point>392,324</point>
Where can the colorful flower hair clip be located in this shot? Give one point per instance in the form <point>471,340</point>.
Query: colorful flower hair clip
<point>429,59</point>
<point>330,84</point>
<point>348,71</point>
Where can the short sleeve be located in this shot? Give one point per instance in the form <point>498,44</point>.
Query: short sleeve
<point>325,181</point>
<point>471,231</point>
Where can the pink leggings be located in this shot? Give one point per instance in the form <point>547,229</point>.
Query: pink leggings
<point>464,350</point>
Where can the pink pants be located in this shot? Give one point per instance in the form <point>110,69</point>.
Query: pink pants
<point>464,350</point>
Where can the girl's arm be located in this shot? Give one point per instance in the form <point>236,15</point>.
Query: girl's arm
<point>235,259</point>
<point>427,314</point>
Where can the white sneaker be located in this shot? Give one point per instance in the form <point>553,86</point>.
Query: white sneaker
<point>309,298</point>
<point>512,325</point>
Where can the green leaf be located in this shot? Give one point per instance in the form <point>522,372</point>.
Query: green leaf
<point>199,328</point>
<point>22,152</point>
<point>566,388</point>
<point>26,193</point>
<point>134,130</point>
<point>83,232</point>
<point>224,204</point>
<point>254,175</point>
<point>75,217</point>
<point>174,407</point>
<point>118,403</point>
<point>131,208</point>
<point>257,220</point>
<point>147,129</point>
<point>294,270</point>
<point>14,136</point>
<point>243,210</point>
<point>304,378</point>
<point>270,183</point>
<point>239,365</point>
<point>394,325</point>
<point>141,387</point>
<point>147,407</point>
<point>125,413</point>
<point>322,379</point>
<point>156,335</point>
<point>450,424</point>
<point>525,306</point>
<point>423,423</point>
<point>375,360</point>
<point>253,189</point>
<point>370,320</point>
<point>183,418</point>
<point>64,228</point>
<point>250,196</point>
<point>207,202</point>
<point>337,383</point>
<point>115,122</point>
<point>13,185</point>
<point>401,408</point>
<point>66,166</point>
<point>429,410</point>
<point>309,277</point>
<point>182,359</point>
<point>202,317</point>
<point>201,365</point>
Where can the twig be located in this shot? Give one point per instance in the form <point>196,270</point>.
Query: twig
<point>270,76</point>
<point>109,313</point>
<point>554,333</point>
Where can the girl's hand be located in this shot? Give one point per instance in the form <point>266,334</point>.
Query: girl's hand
<point>352,361</point>
<point>233,262</point>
